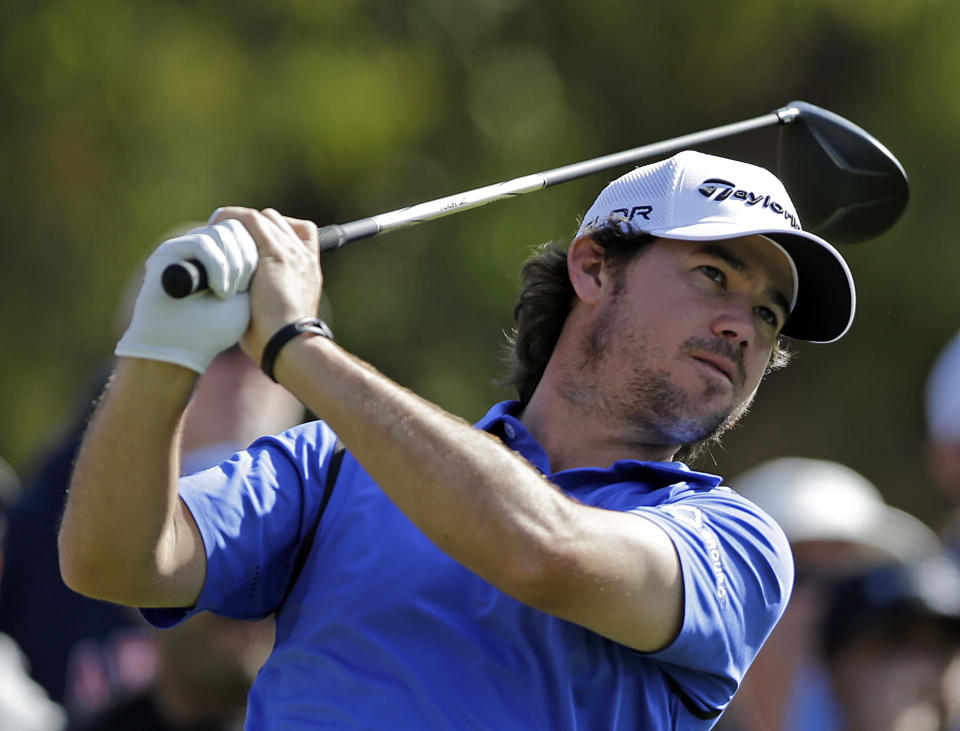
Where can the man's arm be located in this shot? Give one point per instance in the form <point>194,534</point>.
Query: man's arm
<point>125,536</point>
<point>489,509</point>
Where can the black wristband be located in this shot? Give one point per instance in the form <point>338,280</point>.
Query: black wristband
<point>308,325</point>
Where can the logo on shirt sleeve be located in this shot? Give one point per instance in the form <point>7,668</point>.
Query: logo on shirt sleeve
<point>693,518</point>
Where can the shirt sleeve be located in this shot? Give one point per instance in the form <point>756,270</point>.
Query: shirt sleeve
<point>252,512</point>
<point>737,577</point>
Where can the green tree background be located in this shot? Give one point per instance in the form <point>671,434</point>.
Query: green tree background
<point>121,121</point>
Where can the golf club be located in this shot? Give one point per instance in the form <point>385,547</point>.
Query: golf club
<point>846,185</point>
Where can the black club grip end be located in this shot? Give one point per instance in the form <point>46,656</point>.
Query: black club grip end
<point>184,278</point>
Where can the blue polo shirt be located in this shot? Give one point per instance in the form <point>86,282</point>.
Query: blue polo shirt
<point>383,630</point>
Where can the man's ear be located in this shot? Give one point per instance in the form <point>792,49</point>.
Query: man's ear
<point>585,265</point>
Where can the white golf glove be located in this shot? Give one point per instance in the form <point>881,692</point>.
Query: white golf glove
<point>193,330</point>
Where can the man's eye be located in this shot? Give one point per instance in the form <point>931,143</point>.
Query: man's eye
<point>714,274</point>
<point>768,316</point>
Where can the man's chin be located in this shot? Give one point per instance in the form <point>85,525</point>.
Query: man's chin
<point>684,412</point>
<point>717,416</point>
<point>693,430</point>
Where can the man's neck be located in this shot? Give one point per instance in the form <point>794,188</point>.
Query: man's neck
<point>575,437</point>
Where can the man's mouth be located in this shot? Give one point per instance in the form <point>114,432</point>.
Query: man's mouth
<point>718,363</point>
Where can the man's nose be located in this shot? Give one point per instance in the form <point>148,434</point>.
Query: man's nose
<point>735,322</point>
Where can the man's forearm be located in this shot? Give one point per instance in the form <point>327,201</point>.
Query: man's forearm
<point>122,534</point>
<point>481,503</point>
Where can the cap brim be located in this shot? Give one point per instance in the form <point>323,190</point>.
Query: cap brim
<point>826,295</point>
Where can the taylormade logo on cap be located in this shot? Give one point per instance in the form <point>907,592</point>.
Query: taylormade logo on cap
<point>720,190</point>
<point>696,197</point>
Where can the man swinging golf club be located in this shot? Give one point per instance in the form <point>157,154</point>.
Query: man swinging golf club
<point>551,567</point>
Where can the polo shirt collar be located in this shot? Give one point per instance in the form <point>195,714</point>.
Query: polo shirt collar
<point>502,420</point>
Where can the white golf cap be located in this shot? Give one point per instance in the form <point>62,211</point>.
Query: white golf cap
<point>696,197</point>
<point>819,500</point>
<point>943,394</point>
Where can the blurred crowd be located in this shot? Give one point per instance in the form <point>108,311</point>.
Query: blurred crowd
<point>870,640</point>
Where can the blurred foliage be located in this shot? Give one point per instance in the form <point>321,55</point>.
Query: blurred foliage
<point>122,120</point>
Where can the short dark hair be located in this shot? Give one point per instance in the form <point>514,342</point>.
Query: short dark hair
<point>545,298</point>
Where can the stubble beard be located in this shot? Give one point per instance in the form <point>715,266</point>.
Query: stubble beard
<point>650,404</point>
<point>655,405</point>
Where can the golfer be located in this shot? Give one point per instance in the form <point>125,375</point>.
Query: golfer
<point>553,566</point>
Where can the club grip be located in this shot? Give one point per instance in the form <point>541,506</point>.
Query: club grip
<point>331,237</point>
<point>184,278</point>
<point>189,277</point>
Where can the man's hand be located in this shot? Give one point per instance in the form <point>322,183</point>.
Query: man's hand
<point>190,332</point>
<point>288,281</point>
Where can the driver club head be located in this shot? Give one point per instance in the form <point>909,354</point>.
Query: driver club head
<point>846,185</point>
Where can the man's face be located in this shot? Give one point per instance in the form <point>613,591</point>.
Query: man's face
<point>682,334</point>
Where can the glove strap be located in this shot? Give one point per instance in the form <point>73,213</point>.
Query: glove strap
<point>306,325</point>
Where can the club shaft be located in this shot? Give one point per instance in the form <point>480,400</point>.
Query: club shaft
<point>335,236</point>
<point>599,164</point>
